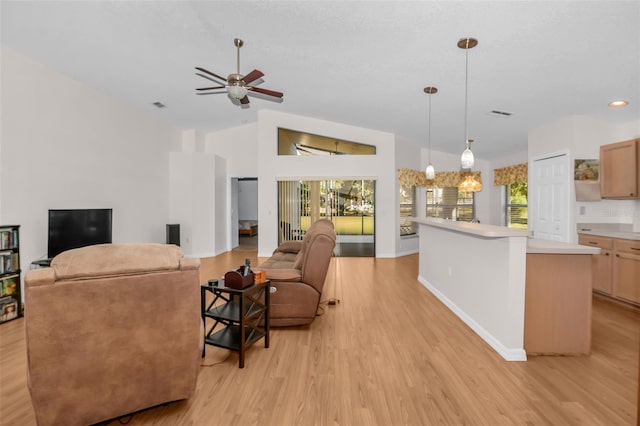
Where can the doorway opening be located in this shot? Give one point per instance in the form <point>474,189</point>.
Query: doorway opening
<point>349,204</point>
<point>246,233</point>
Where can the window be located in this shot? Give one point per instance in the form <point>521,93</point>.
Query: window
<point>515,205</point>
<point>349,204</point>
<point>449,203</point>
<point>407,210</point>
<point>291,142</point>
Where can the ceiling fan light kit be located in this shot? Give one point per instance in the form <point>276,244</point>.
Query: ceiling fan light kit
<point>236,85</point>
<point>237,91</point>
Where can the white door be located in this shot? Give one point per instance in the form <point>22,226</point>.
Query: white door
<point>549,180</point>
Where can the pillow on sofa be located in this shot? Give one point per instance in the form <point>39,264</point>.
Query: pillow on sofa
<point>290,247</point>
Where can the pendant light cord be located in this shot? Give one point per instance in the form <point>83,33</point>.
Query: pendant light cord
<point>466,95</point>
<point>429,131</point>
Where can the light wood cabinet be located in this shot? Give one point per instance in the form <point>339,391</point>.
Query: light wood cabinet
<point>620,170</point>
<point>626,270</point>
<point>601,264</point>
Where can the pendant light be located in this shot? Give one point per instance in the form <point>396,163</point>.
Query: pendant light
<point>466,160</point>
<point>470,184</point>
<point>430,171</point>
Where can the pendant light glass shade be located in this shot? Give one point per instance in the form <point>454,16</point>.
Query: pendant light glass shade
<point>466,159</point>
<point>430,171</point>
<point>470,184</point>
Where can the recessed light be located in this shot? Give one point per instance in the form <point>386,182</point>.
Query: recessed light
<point>618,103</point>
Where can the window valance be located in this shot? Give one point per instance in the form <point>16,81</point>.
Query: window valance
<point>511,174</point>
<point>418,178</point>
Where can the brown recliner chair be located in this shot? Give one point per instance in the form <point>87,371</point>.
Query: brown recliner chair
<point>297,270</point>
<point>111,329</point>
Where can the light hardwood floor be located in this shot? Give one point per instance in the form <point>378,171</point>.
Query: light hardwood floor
<point>389,353</point>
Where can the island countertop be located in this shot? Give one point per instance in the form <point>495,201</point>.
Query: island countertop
<point>540,246</point>
<point>534,245</point>
<point>479,229</point>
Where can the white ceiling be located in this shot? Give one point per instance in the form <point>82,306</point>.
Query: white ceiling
<point>363,63</point>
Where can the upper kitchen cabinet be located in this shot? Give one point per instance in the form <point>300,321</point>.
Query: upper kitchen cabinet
<point>620,170</point>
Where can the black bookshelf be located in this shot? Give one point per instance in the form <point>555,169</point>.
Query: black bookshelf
<point>10,294</point>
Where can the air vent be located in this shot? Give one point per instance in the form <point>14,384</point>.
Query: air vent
<point>503,113</point>
<point>159,105</point>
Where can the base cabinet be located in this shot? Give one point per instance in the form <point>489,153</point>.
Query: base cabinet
<point>616,270</point>
<point>626,270</point>
<point>601,264</point>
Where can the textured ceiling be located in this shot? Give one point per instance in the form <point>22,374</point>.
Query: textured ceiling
<point>362,63</point>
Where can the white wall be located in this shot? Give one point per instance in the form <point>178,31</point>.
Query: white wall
<point>239,147</point>
<point>408,155</point>
<point>582,136</point>
<point>66,145</point>
<point>219,214</point>
<point>272,167</point>
<point>193,200</point>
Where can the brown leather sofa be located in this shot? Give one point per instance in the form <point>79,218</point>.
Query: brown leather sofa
<point>297,270</point>
<point>111,329</point>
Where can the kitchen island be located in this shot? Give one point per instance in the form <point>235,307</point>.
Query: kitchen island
<point>480,272</point>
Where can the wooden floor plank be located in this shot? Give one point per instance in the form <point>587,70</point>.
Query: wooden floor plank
<point>387,353</point>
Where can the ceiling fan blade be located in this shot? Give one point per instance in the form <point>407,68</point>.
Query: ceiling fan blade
<point>252,76</point>
<point>211,74</point>
<point>244,100</point>
<point>267,92</point>
<point>211,88</point>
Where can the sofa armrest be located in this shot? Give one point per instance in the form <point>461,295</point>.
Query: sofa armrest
<point>39,277</point>
<point>187,263</point>
<point>279,274</point>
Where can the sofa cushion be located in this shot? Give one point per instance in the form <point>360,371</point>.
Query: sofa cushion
<point>272,263</point>
<point>104,260</point>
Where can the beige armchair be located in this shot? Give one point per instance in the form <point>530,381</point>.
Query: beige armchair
<point>111,329</point>
<point>297,270</point>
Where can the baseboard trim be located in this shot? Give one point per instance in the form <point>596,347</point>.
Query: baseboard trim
<point>505,352</point>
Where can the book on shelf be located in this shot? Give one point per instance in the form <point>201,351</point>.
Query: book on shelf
<point>9,285</point>
<point>9,262</point>
<point>8,238</point>
<point>8,308</point>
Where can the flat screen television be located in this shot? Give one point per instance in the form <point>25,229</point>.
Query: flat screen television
<point>69,229</point>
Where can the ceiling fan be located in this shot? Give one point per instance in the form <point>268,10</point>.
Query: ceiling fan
<point>236,85</point>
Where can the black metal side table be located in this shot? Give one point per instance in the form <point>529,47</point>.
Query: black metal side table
<point>241,317</point>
